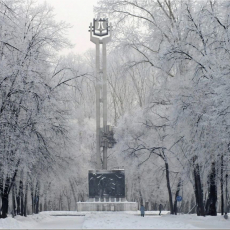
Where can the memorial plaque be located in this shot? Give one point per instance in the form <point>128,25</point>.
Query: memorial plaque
<point>106,183</point>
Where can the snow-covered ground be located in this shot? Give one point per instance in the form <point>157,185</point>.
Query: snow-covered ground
<point>112,220</point>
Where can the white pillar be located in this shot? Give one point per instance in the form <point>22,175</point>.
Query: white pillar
<point>98,149</point>
<point>104,103</point>
<point>97,41</point>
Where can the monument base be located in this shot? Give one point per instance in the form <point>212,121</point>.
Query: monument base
<point>106,192</point>
<point>107,206</point>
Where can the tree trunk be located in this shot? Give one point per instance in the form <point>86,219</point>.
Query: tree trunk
<point>212,196</point>
<point>226,194</point>
<point>222,184</point>
<point>13,201</point>
<point>5,192</point>
<point>32,199</point>
<point>45,203</point>
<point>1,190</point>
<point>169,188</point>
<point>25,203</point>
<point>146,206</point>
<point>5,203</point>
<point>193,208</point>
<point>74,195</point>
<point>198,191</point>
<point>177,194</point>
<point>36,197</point>
<point>21,197</point>
<point>17,200</point>
<point>60,202</point>
<point>5,199</point>
<point>68,202</point>
<point>37,204</point>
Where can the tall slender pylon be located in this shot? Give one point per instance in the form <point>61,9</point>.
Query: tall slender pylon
<point>100,35</point>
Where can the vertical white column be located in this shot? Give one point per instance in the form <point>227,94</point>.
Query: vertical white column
<point>96,40</point>
<point>98,149</point>
<point>104,103</point>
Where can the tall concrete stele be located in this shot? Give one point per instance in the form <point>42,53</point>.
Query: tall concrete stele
<point>100,35</point>
<point>106,187</point>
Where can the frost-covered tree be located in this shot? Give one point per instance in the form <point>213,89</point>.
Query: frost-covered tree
<point>33,123</point>
<point>186,43</point>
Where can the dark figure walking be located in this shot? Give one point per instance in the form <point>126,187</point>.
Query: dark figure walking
<point>160,208</point>
<point>142,209</point>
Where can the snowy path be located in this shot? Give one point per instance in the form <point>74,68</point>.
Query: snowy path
<point>129,221</point>
<point>61,222</point>
<point>112,220</point>
<point>43,221</point>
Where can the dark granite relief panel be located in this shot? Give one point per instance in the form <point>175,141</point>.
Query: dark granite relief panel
<point>104,183</point>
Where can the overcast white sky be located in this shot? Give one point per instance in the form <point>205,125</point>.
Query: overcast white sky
<point>78,13</point>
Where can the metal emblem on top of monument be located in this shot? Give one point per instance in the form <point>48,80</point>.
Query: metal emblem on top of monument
<point>100,27</point>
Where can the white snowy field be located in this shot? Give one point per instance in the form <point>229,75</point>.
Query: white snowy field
<point>112,220</point>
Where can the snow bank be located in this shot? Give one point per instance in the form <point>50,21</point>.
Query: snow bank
<point>113,220</point>
<point>130,221</point>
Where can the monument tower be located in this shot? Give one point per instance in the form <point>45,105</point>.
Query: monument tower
<point>100,35</point>
<point>106,187</point>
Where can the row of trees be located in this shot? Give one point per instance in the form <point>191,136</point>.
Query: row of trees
<point>179,127</point>
<point>168,99</point>
<point>168,86</point>
<point>34,120</point>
